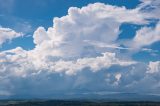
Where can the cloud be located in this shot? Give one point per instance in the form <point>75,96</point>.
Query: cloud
<point>95,22</point>
<point>73,55</point>
<point>154,67</point>
<point>118,47</point>
<point>20,76</point>
<point>8,34</point>
<point>17,68</point>
<point>95,64</point>
<point>145,37</point>
<point>17,62</point>
<point>151,7</point>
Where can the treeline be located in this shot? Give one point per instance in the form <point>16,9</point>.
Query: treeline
<point>78,103</point>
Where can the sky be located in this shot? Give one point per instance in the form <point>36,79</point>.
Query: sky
<point>52,48</point>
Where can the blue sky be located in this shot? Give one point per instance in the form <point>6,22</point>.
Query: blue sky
<point>79,46</point>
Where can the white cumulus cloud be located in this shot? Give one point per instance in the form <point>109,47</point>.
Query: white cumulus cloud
<point>8,34</point>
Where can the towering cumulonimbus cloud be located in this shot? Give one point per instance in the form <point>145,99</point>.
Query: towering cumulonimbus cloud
<point>96,22</point>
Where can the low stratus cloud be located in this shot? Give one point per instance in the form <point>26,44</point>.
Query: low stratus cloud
<point>67,59</point>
